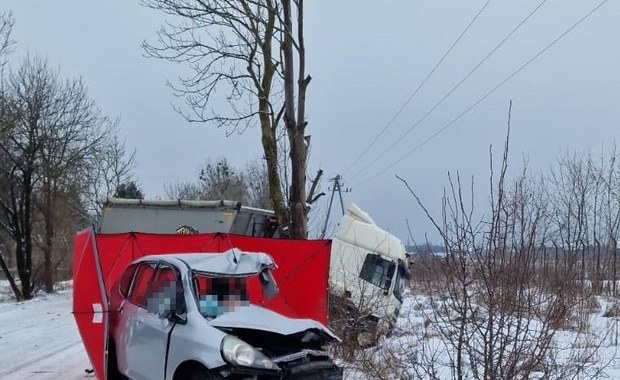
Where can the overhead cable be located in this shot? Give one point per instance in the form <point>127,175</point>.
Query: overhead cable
<point>415,92</point>
<point>480,100</point>
<point>445,97</point>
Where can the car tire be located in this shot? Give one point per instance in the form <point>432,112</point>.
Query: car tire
<point>200,374</point>
<point>113,372</point>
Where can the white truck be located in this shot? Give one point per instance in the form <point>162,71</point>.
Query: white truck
<point>368,270</point>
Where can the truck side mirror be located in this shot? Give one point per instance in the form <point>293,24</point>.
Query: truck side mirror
<point>404,269</point>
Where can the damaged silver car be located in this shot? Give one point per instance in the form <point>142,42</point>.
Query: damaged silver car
<point>188,316</point>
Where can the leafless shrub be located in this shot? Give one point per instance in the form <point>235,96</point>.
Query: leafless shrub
<point>612,310</point>
<point>503,305</point>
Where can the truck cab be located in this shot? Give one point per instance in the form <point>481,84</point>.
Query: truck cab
<point>367,275</point>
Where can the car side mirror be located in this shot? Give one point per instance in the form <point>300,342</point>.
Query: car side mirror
<point>268,283</point>
<point>167,303</point>
<point>177,318</point>
<point>168,314</point>
<point>174,315</point>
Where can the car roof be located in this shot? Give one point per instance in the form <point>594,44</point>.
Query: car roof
<point>233,262</point>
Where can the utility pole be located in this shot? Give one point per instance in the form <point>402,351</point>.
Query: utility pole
<point>336,188</point>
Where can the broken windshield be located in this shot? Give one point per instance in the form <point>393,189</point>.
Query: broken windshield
<point>219,295</point>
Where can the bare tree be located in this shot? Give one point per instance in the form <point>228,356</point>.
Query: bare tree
<point>19,144</point>
<point>106,169</point>
<point>71,130</point>
<point>495,313</point>
<point>183,190</point>
<point>249,51</point>
<point>295,117</point>
<point>51,131</point>
<point>6,45</point>
<point>612,216</point>
<point>6,40</point>
<point>220,180</point>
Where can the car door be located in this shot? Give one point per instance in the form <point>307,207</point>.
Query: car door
<point>118,316</point>
<point>129,313</point>
<point>146,349</point>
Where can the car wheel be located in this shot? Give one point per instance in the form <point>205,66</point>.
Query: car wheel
<point>113,373</point>
<point>200,374</point>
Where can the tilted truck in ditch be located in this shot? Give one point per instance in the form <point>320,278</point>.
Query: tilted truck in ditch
<point>367,276</point>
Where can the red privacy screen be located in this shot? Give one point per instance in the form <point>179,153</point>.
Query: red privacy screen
<point>100,259</point>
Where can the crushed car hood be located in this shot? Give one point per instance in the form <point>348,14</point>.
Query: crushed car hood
<point>257,318</point>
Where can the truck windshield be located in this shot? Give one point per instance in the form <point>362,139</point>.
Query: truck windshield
<point>378,271</point>
<point>219,295</point>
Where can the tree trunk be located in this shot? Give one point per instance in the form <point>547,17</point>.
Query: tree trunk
<point>24,242</point>
<point>23,271</point>
<point>614,267</point>
<point>10,278</point>
<point>268,126</point>
<point>295,130</point>
<point>48,245</point>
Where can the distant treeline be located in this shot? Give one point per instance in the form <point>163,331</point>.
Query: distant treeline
<point>425,249</point>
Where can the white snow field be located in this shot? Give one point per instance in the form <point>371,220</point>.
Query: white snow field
<point>39,340</point>
<point>416,343</point>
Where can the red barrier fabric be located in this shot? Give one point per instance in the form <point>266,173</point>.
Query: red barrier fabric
<point>302,275</point>
<point>90,304</point>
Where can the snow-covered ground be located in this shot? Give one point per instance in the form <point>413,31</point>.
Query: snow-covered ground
<point>39,340</point>
<point>416,349</point>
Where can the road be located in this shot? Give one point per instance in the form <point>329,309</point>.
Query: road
<point>39,340</point>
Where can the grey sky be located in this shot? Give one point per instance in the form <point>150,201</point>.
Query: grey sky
<point>365,60</point>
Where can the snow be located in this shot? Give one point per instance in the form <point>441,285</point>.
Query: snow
<point>416,349</point>
<point>39,340</point>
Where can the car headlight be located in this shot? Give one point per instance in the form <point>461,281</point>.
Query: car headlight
<point>237,352</point>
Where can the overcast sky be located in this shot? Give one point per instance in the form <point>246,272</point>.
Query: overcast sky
<point>366,59</point>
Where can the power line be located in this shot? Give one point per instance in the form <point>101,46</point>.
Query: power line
<point>471,72</point>
<point>415,92</point>
<point>337,187</point>
<point>449,124</point>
